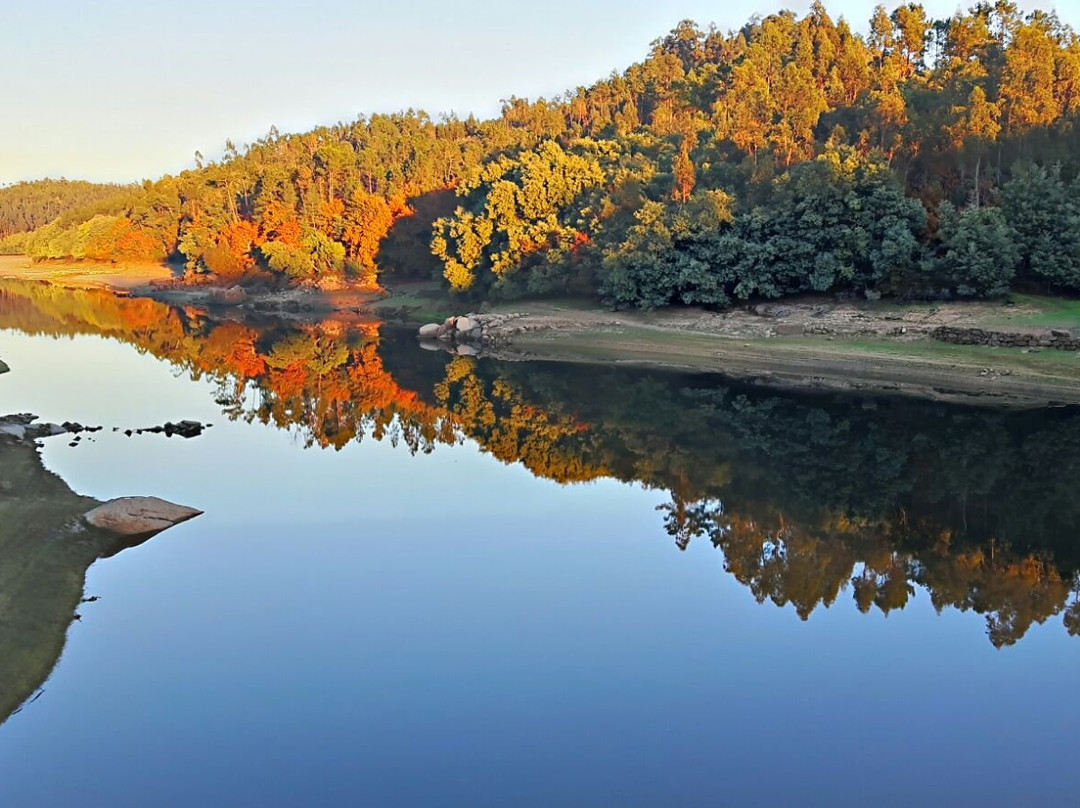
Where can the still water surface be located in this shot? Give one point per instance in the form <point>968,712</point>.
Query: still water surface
<point>482,601</point>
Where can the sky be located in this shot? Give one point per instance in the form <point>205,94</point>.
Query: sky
<point>124,90</point>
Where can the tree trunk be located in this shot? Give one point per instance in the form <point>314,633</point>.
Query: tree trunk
<point>978,165</point>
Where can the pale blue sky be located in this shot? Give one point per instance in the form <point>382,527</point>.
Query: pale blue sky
<point>127,89</point>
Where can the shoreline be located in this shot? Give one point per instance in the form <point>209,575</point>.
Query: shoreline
<point>806,343</point>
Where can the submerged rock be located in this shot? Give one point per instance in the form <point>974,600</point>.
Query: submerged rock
<point>185,429</point>
<point>138,516</point>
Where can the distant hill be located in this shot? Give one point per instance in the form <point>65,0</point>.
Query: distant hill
<point>27,206</point>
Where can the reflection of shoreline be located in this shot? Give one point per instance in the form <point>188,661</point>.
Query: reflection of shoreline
<point>45,550</point>
<point>877,356</point>
<point>817,494</point>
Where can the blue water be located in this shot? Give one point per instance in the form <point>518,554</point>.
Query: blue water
<point>369,627</point>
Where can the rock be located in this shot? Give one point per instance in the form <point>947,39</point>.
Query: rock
<point>185,429</point>
<point>446,331</point>
<point>1054,332</point>
<point>3,367</point>
<point>790,329</point>
<point>138,516</point>
<point>17,431</point>
<point>466,350</point>
<point>430,345</point>
<point>464,324</point>
<point>429,331</point>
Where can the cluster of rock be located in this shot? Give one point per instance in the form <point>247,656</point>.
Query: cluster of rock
<point>23,427</point>
<point>1055,338</point>
<point>466,328</point>
<point>463,335</point>
<point>230,296</point>
<point>185,429</point>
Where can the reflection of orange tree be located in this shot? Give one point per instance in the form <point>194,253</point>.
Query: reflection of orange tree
<point>326,379</point>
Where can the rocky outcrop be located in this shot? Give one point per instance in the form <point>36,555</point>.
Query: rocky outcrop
<point>1058,339</point>
<point>23,427</point>
<point>138,516</point>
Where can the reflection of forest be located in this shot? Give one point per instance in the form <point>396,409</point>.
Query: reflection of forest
<point>806,496</point>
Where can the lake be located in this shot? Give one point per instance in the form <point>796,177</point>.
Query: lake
<point>424,579</point>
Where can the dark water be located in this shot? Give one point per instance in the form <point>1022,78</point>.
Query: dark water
<point>425,580</point>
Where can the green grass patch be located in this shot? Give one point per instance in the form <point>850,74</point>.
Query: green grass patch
<point>1038,311</point>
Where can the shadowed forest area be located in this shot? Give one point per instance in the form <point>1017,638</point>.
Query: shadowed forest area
<point>810,498</point>
<point>930,158</point>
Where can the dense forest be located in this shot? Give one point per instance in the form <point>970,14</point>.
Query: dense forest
<point>26,206</point>
<point>928,158</point>
<point>808,496</point>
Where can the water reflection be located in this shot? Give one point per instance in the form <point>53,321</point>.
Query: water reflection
<point>46,550</point>
<point>809,497</point>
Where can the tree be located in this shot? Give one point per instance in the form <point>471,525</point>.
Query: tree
<point>975,128</point>
<point>1044,213</point>
<point>978,255</point>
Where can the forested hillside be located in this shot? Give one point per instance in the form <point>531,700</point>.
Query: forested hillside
<point>27,206</point>
<point>928,158</point>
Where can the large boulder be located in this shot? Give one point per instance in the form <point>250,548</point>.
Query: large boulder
<point>465,324</point>
<point>429,331</point>
<point>138,516</point>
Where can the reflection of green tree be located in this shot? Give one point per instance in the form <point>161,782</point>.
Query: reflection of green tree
<point>807,497</point>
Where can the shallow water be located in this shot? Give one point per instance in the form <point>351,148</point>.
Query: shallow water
<point>492,609</point>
